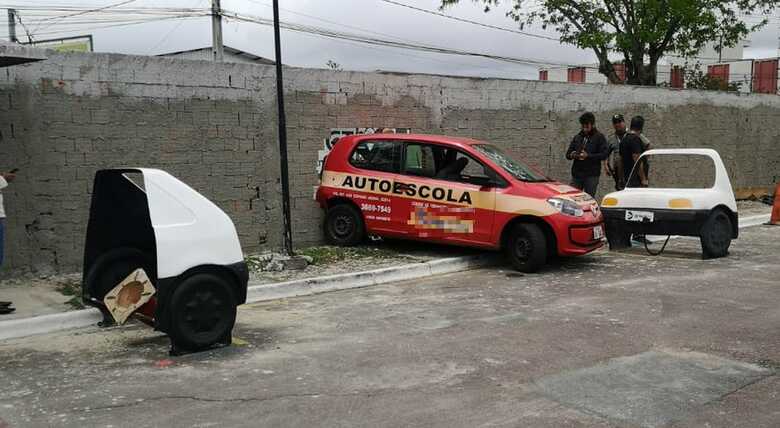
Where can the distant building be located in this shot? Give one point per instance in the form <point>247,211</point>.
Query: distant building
<point>230,55</point>
<point>728,65</point>
<point>752,75</point>
<point>589,73</point>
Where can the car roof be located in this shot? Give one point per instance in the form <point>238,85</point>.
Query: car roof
<point>703,152</point>
<point>432,138</point>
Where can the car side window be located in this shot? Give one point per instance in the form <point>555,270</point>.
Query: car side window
<point>458,166</point>
<point>420,160</point>
<point>473,167</point>
<point>382,156</point>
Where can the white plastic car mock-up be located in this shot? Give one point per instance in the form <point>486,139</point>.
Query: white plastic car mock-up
<point>187,247</point>
<point>692,198</point>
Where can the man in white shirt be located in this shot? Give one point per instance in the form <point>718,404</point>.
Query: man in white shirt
<point>5,178</point>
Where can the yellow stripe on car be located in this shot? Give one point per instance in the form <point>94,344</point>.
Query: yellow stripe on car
<point>431,191</point>
<point>680,203</point>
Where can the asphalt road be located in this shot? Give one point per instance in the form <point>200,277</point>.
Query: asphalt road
<point>610,339</point>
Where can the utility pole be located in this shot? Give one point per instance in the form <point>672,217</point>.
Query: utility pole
<point>12,26</point>
<point>217,50</point>
<point>282,120</point>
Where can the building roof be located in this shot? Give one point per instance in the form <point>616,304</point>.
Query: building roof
<point>228,51</point>
<point>14,54</point>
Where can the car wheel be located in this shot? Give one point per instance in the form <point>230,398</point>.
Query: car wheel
<point>203,312</point>
<point>716,235</point>
<point>112,268</point>
<point>344,225</point>
<point>526,247</point>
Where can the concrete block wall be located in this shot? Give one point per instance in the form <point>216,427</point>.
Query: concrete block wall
<point>214,126</point>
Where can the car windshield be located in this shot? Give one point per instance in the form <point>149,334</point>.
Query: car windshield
<point>674,171</point>
<point>516,168</point>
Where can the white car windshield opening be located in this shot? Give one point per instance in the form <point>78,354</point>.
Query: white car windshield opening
<point>137,178</point>
<point>675,171</point>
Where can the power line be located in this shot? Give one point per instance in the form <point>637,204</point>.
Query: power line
<point>91,10</point>
<point>59,18</point>
<point>468,21</point>
<point>331,22</point>
<point>172,30</point>
<point>324,32</point>
<point>127,23</point>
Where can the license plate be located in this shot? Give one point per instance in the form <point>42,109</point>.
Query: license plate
<point>641,216</point>
<point>598,232</point>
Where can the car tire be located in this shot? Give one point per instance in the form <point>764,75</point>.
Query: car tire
<point>113,267</point>
<point>344,225</point>
<point>716,235</point>
<point>203,312</point>
<point>526,247</point>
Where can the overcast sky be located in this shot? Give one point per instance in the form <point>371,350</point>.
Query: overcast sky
<point>366,17</point>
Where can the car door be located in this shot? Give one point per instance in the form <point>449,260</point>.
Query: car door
<point>370,184</point>
<point>442,204</point>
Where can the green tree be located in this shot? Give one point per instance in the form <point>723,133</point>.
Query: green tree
<point>697,79</point>
<point>641,31</point>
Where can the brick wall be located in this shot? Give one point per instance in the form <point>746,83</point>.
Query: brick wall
<point>213,126</point>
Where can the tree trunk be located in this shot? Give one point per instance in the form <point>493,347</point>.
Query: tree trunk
<point>608,69</point>
<point>649,76</point>
<point>634,69</point>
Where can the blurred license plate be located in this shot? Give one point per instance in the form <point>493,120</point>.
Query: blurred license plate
<point>643,216</point>
<point>598,232</point>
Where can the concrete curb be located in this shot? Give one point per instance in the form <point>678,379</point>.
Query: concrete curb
<point>23,327</point>
<point>309,286</point>
<point>41,324</point>
<point>754,220</point>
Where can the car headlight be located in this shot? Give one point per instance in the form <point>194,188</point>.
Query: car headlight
<point>566,206</point>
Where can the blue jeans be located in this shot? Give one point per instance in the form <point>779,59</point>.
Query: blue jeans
<point>2,239</point>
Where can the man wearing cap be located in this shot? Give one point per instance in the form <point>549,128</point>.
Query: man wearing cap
<point>613,164</point>
<point>587,150</point>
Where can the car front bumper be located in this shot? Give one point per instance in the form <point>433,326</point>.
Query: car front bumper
<point>665,221</point>
<point>575,236</point>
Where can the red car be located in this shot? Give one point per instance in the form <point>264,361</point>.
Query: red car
<point>454,191</point>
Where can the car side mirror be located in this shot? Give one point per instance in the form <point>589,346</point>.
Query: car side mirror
<point>483,181</point>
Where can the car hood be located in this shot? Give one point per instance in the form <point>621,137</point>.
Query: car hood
<point>554,189</point>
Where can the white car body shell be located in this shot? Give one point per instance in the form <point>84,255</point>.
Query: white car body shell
<point>189,229</point>
<point>720,193</point>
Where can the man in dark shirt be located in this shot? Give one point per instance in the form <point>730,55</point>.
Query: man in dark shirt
<point>613,164</point>
<point>630,149</point>
<point>587,149</point>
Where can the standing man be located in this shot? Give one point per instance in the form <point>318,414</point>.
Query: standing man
<point>5,307</point>
<point>613,164</point>
<point>630,148</point>
<point>587,149</point>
